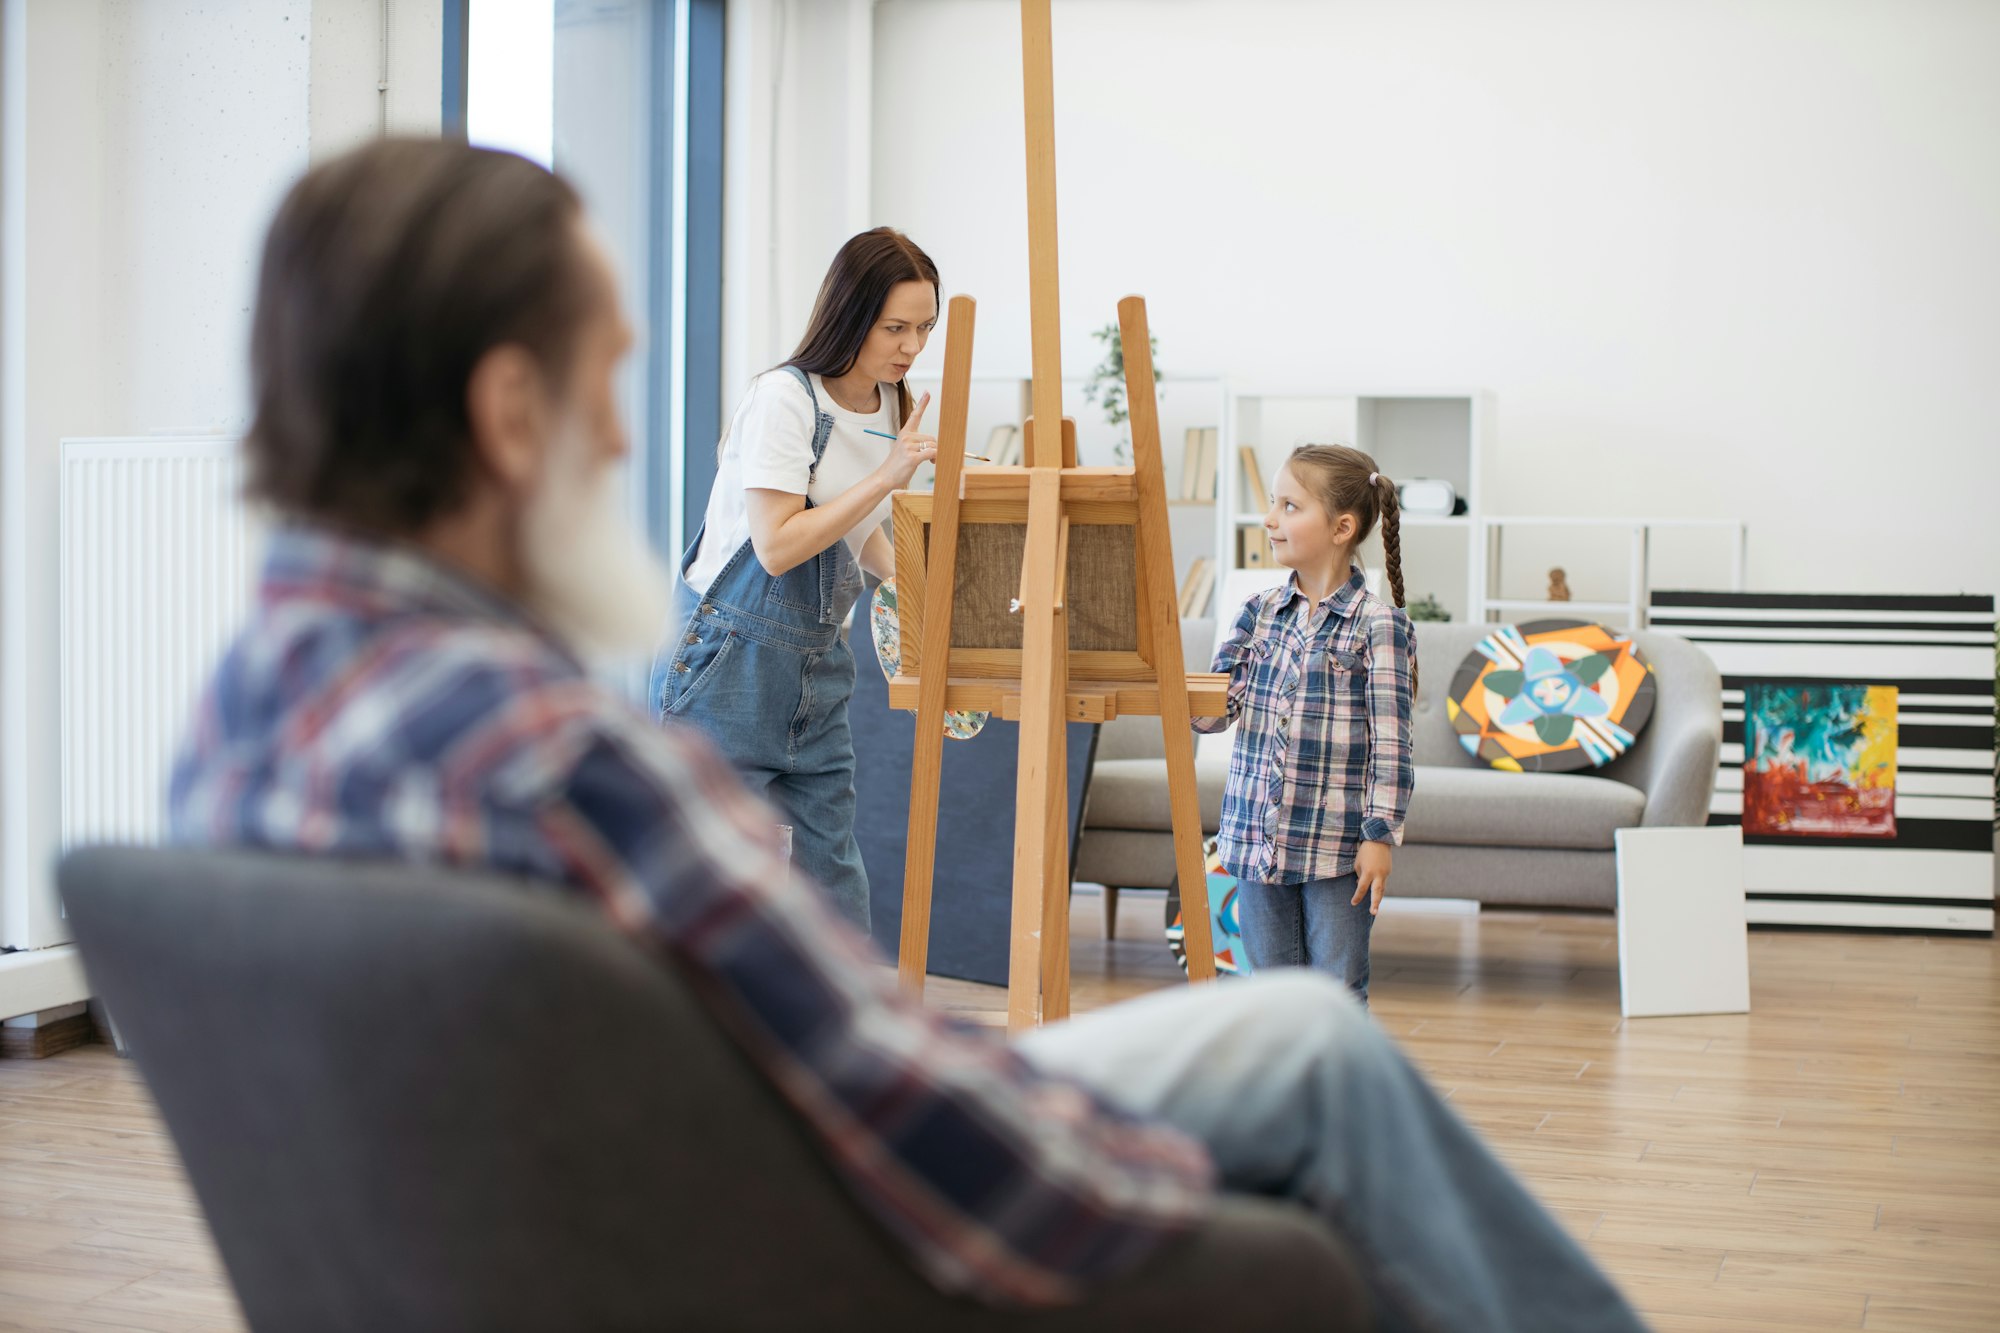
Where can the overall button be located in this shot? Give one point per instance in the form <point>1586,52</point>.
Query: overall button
<point>681,667</point>
<point>707,609</point>
<point>694,638</point>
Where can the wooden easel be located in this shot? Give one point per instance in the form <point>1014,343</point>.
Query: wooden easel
<point>1073,516</point>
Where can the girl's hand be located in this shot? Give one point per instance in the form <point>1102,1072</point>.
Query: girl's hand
<point>1371,874</point>
<point>911,450</point>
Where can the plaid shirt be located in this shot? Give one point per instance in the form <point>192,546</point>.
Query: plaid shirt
<point>1320,696</point>
<point>380,706</point>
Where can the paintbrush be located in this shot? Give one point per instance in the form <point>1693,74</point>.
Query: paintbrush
<point>977,458</point>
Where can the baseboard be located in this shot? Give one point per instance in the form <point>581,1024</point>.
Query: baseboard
<point>1391,902</point>
<point>32,980</point>
<point>39,1043</point>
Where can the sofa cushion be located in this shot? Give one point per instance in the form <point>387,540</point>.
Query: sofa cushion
<point>1483,807</point>
<point>1132,794</point>
<point>1466,807</point>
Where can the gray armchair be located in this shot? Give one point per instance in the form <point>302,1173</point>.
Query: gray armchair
<point>1525,839</point>
<point>411,1099</point>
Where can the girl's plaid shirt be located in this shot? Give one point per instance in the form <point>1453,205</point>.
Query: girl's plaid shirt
<point>1320,697</point>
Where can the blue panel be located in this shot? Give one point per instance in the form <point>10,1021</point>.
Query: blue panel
<point>972,890</point>
<point>703,364</point>
<point>457,60</point>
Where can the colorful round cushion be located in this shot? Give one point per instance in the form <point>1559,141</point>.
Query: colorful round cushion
<point>1553,696</point>
<point>961,724</point>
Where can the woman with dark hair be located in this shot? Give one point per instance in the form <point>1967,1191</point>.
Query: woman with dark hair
<point>755,654</point>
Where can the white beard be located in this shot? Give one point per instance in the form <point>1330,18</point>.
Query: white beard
<point>591,578</point>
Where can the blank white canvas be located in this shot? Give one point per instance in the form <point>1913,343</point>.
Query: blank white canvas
<point>1683,942</point>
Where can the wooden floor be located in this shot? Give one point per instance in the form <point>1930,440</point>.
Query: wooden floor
<point>1831,1160</point>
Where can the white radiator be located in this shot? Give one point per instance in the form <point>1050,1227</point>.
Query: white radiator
<point>157,570</point>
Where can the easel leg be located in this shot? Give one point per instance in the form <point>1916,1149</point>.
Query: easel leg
<point>1157,586</point>
<point>920,856</point>
<point>1041,765</point>
<point>934,655</point>
<point>1055,862</point>
<point>1184,809</point>
<point>1184,800</point>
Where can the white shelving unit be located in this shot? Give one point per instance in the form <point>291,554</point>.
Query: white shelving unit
<point>1489,606</point>
<point>1411,433</point>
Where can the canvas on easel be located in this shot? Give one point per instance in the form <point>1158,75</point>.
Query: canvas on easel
<point>1044,593</point>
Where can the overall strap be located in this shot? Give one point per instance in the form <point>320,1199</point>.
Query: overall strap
<point>807,381</point>
<point>822,424</point>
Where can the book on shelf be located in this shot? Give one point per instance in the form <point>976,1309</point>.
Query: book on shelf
<point>1190,462</point>
<point>1003,446</point>
<point>1197,586</point>
<point>1253,479</point>
<point>1253,549</point>
<point>1204,481</point>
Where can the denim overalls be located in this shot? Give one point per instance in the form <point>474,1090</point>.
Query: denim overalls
<point>760,664</point>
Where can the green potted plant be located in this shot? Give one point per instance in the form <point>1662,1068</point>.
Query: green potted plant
<point>1106,386</point>
<point>1427,607</point>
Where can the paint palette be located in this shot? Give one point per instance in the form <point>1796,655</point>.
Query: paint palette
<point>960,724</point>
<point>1552,696</point>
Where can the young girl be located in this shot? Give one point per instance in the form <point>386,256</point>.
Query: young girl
<point>755,654</point>
<point>1321,674</point>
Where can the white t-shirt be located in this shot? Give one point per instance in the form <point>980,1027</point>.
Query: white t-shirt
<point>769,447</point>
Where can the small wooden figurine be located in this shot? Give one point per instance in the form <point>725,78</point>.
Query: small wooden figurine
<point>1558,586</point>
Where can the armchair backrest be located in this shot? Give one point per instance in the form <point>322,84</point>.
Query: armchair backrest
<point>410,1098</point>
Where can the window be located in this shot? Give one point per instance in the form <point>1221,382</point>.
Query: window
<point>624,97</point>
<point>510,96</point>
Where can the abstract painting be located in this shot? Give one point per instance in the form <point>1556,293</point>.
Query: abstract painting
<point>1819,760</point>
<point>1926,859</point>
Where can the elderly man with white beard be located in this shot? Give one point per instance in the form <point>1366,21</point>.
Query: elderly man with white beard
<point>433,352</point>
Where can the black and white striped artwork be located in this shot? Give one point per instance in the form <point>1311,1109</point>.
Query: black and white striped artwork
<point>1935,872</point>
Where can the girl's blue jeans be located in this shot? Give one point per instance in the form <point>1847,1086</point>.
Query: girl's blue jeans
<point>1307,925</point>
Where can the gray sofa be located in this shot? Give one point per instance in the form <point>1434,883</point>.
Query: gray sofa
<point>1515,839</point>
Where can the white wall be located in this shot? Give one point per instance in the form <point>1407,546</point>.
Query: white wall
<point>799,96</point>
<point>1716,260</point>
<point>343,105</point>
<point>146,143</point>
<point>205,125</point>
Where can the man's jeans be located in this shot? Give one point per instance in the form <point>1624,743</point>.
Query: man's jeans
<point>1298,1095</point>
<point>1314,925</point>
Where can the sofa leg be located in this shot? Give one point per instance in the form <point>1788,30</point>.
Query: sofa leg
<point>1110,912</point>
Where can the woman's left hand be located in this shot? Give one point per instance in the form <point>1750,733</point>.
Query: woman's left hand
<point>1371,874</point>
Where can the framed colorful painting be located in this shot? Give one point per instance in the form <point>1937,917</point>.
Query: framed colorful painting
<point>1819,760</point>
<point>1857,753</point>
